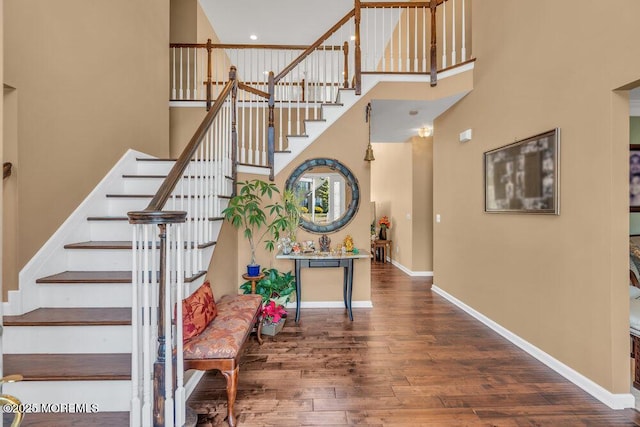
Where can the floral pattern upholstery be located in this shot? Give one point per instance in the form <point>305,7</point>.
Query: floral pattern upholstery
<point>224,336</point>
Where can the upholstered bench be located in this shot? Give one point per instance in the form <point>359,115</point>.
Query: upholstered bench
<point>219,345</point>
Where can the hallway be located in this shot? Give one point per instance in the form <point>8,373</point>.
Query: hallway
<point>412,360</point>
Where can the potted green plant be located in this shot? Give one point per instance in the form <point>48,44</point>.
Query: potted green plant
<point>292,208</point>
<point>276,289</point>
<point>260,224</point>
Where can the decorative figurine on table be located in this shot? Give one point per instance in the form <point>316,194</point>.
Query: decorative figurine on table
<point>325,243</point>
<point>348,243</point>
<point>296,248</point>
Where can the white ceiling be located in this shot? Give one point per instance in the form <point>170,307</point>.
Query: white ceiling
<point>274,22</point>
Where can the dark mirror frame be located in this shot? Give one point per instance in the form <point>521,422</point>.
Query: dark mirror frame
<point>351,181</point>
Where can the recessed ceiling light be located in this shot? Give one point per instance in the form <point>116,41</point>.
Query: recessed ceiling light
<point>253,37</point>
<point>413,112</point>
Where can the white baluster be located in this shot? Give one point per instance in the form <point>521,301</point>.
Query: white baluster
<point>168,348</point>
<point>188,73</point>
<point>181,92</point>
<point>196,83</point>
<point>406,11</point>
<point>173,67</point>
<point>135,416</point>
<point>444,35</point>
<point>180,391</point>
<point>399,27</point>
<point>415,39</point>
<point>453,34</point>
<point>424,39</point>
<point>147,409</point>
<point>463,52</point>
<point>241,129</point>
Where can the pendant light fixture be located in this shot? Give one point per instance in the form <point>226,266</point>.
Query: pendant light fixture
<point>368,156</point>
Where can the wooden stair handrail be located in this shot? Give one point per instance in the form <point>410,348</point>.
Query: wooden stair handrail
<point>314,46</point>
<point>177,171</point>
<point>247,46</point>
<point>388,5</point>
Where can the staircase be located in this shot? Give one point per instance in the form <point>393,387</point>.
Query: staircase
<point>73,342</point>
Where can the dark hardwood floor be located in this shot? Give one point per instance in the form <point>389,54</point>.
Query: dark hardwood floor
<point>412,360</point>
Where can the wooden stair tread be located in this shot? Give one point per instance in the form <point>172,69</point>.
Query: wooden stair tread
<point>88,277</point>
<point>255,166</point>
<point>86,419</point>
<point>71,316</point>
<point>126,218</point>
<point>100,244</point>
<point>164,176</point>
<point>98,277</point>
<point>119,244</point>
<point>69,367</point>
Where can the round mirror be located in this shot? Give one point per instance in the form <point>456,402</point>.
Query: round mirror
<point>328,194</point>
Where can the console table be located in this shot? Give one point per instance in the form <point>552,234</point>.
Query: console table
<point>319,260</point>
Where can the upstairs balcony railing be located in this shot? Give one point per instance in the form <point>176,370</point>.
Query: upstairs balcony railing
<point>374,37</point>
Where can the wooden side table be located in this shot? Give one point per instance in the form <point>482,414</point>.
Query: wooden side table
<point>253,280</point>
<point>382,245</point>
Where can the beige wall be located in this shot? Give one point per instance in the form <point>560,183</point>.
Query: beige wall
<point>92,83</point>
<point>391,190</point>
<point>558,282</point>
<point>402,188</point>
<point>422,209</point>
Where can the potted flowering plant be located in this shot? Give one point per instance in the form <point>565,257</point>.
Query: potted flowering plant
<point>384,223</point>
<point>273,316</point>
<point>276,289</point>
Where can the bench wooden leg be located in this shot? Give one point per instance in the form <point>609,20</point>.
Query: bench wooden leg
<point>636,376</point>
<point>259,331</point>
<point>232,389</point>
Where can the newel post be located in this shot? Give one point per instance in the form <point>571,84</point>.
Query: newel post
<point>357,53</point>
<point>433,72</point>
<point>209,66</point>
<point>271,135</point>
<point>345,48</point>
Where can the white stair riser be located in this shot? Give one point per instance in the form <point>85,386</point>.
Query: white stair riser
<point>150,185</point>
<point>85,295</point>
<point>110,230</point>
<point>122,230</point>
<point>109,396</point>
<point>314,127</point>
<point>99,259</point>
<point>67,339</point>
<point>332,112</point>
<point>154,167</point>
<point>120,206</point>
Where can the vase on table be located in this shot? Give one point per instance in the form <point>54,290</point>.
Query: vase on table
<point>383,233</point>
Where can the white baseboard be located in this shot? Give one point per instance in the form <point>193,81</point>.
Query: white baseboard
<point>410,272</point>
<point>330,304</point>
<point>612,400</point>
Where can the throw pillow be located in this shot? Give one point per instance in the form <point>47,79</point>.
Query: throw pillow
<point>198,310</point>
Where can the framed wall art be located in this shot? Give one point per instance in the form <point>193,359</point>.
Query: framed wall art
<point>523,177</point>
<point>634,177</point>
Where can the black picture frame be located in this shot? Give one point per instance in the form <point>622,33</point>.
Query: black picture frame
<point>523,177</point>
<point>634,177</point>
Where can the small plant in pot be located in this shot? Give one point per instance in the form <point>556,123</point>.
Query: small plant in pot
<point>260,224</point>
<point>276,289</point>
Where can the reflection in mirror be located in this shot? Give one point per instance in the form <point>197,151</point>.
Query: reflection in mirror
<point>328,194</point>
